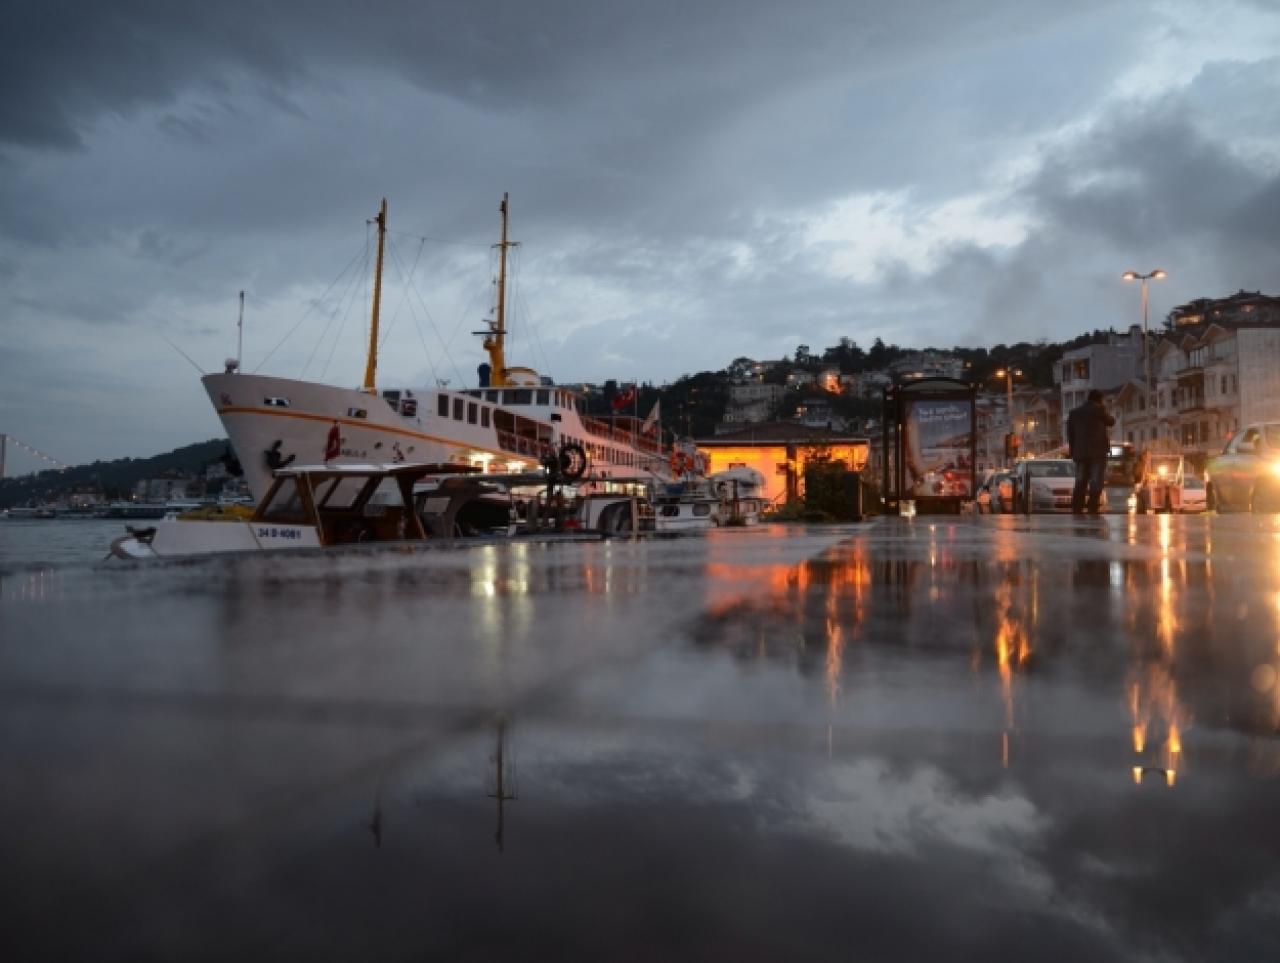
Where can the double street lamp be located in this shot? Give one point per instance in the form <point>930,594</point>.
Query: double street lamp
<point>1011,438</point>
<point>1157,274</point>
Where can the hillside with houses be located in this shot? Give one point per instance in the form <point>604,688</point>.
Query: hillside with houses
<point>1212,365</point>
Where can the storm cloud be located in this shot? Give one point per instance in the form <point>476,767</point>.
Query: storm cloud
<point>690,182</point>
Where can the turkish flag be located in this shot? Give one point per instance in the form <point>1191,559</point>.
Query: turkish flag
<point>333,446</point>
<point>624,398</point>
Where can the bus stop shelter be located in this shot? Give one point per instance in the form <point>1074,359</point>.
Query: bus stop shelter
<point>930,446</point>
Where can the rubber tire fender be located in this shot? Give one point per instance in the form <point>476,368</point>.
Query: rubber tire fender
<point>573,461</point>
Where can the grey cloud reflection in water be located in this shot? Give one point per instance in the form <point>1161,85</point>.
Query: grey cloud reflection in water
<point>891,743</point>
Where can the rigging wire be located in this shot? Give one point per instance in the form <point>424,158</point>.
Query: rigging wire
<point>404,297</point>
<point>492,267</point>
<point>346,314</point>
<point>348,291</point>
<point>439,240</point>
<point>535,336</point>
<point>297,323</point>
<point>431,320</point>
<point>395,259</point>
<point>343,324</point>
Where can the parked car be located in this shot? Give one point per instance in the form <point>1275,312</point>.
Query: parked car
<point>995,494</point>
<point>1193,494</point>
<point>1121,491</point>
<point>1246,476</point>
<point>1043,485</point>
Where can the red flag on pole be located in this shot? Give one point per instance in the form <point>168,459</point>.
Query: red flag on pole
<point>624,398</point>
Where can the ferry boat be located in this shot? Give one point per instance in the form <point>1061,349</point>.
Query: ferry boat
<point>26,512</point>
<point>513,421</point>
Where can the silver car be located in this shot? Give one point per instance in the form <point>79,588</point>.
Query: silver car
<point>1246,476</point>
<point>1043,485</point>
<point>1193,494</point>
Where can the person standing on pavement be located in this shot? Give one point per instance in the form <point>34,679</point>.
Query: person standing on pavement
<point>1088,444</point>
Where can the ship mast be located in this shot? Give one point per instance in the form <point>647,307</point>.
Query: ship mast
<point>371,366</point>
<point>495,337</point>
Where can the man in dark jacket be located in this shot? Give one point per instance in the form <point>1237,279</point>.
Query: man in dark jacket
<point>1088,442</point>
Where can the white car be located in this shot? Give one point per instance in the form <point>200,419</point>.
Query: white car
<point>1194,497</point>
<point>1043,485</point>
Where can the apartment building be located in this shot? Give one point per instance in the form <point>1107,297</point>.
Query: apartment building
<point>750,403</point>
<point>927,364</point>
<point>1211,375</point>
<point>1106,366</point>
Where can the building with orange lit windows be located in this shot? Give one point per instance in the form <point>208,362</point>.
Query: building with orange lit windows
<point>779,450</point>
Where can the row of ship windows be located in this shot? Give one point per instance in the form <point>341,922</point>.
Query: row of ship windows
<point>471,409</point>
<point>462,410</point>
<point>511,396</point>
<point>525,396</point>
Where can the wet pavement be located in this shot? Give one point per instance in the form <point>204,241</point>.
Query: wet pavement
<point>996,738</point>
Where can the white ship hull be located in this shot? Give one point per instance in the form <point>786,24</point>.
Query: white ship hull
<point>272,422</point>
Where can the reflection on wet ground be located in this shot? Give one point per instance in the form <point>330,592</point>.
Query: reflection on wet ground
<point>998,738</point>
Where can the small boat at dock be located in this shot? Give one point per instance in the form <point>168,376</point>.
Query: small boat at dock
<point>305,507</point>
<point>327,506</point>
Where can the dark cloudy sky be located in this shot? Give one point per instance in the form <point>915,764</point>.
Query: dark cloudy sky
<point>691,181</point>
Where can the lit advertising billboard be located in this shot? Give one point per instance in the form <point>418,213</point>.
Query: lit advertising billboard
<point>937,447</point>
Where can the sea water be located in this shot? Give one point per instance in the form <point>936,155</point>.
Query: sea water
<point>37,543</point>
<point>996,738</point>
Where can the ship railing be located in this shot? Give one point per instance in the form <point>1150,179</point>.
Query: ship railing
<point>602,429</point>
<point>521,445</point>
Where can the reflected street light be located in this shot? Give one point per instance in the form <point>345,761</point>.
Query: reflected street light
<point>1157,274</point>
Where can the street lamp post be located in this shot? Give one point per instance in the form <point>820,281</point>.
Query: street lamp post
<point>1007,374</point>
<point>1158,273</point>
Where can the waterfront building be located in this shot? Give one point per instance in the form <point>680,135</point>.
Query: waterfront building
<point>779,450</point>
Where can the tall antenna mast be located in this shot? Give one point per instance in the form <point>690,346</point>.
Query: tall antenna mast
<point>240,334</point>
<point>371,366</point>
<point>495,336</point>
